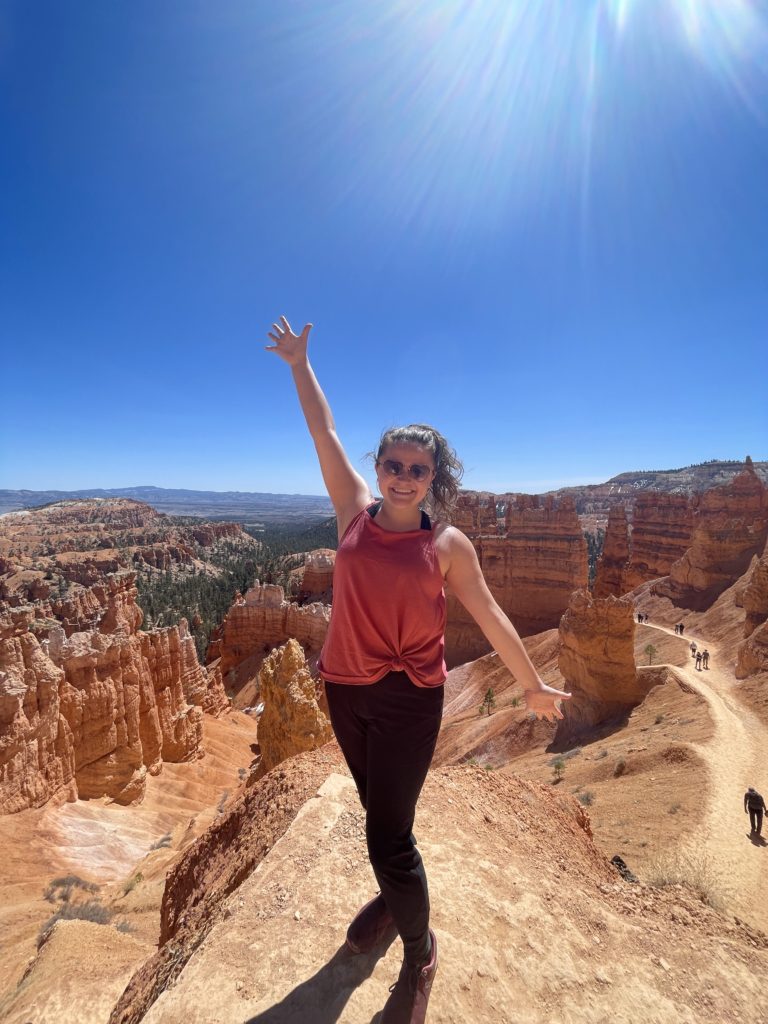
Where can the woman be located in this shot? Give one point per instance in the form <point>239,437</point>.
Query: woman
<point>382,660</point>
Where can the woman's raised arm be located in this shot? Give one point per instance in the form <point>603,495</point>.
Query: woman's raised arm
<point>347,489</point>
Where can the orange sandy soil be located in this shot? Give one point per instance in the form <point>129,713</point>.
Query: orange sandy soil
<point>106,844</point>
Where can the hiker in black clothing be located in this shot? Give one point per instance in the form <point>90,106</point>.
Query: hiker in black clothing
<point>698,660</point>
<point>755,804</point>
<point>639,617</point>
<point>705,658</point>
<point>682,627</point>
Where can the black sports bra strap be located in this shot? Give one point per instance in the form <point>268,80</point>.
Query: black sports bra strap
<point>425,520</point>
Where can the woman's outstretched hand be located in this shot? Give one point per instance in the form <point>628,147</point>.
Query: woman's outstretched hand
<point>545,700</point>
<point>289,346</point>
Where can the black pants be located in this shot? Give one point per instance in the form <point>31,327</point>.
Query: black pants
<point>756,820</point>
<point>387,732</point>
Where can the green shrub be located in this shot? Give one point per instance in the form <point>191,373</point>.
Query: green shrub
<point>620,768</point>
<point>587,798</point>
<point>559,768</point>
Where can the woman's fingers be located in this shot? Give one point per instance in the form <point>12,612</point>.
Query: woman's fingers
<point>278,330</point>
<point>286,325</point>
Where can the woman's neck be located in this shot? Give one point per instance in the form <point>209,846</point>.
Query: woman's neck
<point>398,520</point>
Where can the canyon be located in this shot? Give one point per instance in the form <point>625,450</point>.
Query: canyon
<point>99,714</point>
<point>91,704</point>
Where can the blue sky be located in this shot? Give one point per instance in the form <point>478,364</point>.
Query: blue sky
<point>541,225</point>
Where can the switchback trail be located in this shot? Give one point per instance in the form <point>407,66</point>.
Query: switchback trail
<point>736,758</point>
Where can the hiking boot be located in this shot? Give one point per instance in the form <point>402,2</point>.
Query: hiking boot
<point>407,1003</point>
<point>369,926</point>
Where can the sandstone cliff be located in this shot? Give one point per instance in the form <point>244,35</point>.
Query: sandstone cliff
<point>89,703</point>
<point>610,567</point>
<point>292,721</point>
<point>661,533</point>
<point>730,527</point>
<point>531,570</point>
<point>752,655</point>
<point>597,661</point>
<point>317,576</point>
<point>263,619</point>
<point>90,714</point>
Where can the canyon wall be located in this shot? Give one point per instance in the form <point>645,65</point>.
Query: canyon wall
<point>531,570</point>
<point>317,576</point>
<point>89,703</point>
<point>611,565</point>
<point>730,527</point>
<point>752,654</point>
<point>263,619</point>
<point>90,713</point>
<point>661,532</point>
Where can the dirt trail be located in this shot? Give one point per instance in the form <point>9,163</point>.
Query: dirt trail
<point>736,759</point>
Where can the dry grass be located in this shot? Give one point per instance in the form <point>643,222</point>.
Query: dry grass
<point>91,910</point>
<point>695,871</point>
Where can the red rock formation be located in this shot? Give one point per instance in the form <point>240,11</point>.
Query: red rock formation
<point>730,527</point>
<point>531,571</point>
<point>317,576</point>
<point>611,565</point>
<point>661,532</point>
<point>598,663</point>
<point>91,714</point>
<point>475,514</point>
<point>292,721</point>
<point>37,759</point>
<point>752,654</point>
<point>754,598</point>
<point>264,619</point>
<point>88,703</point>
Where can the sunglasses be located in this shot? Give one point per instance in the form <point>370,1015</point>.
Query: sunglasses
<point>393,468</point>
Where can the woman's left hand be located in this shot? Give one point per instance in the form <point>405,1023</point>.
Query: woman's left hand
<point>545,700</point>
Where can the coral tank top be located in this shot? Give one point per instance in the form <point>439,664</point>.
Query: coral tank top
<point>388,611</point>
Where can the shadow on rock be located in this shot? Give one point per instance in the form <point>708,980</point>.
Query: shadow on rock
<point>321,998</point>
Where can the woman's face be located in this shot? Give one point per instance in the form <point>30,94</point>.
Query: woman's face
<point>401,488</point>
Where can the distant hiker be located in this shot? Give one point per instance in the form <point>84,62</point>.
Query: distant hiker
<point>677,628</point>
<point>682,627</point>
<point>698,660</point>
<point>705,658</point>
<point>693,648</point>
<point>755,805</point>
<point>639,617</point>
<point>382,660</point>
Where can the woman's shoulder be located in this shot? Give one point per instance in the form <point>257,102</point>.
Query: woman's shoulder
<point>450,536</point>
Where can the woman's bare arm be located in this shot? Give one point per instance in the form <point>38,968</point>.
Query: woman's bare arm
<point>465,578</point>
<point>347,489</point>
